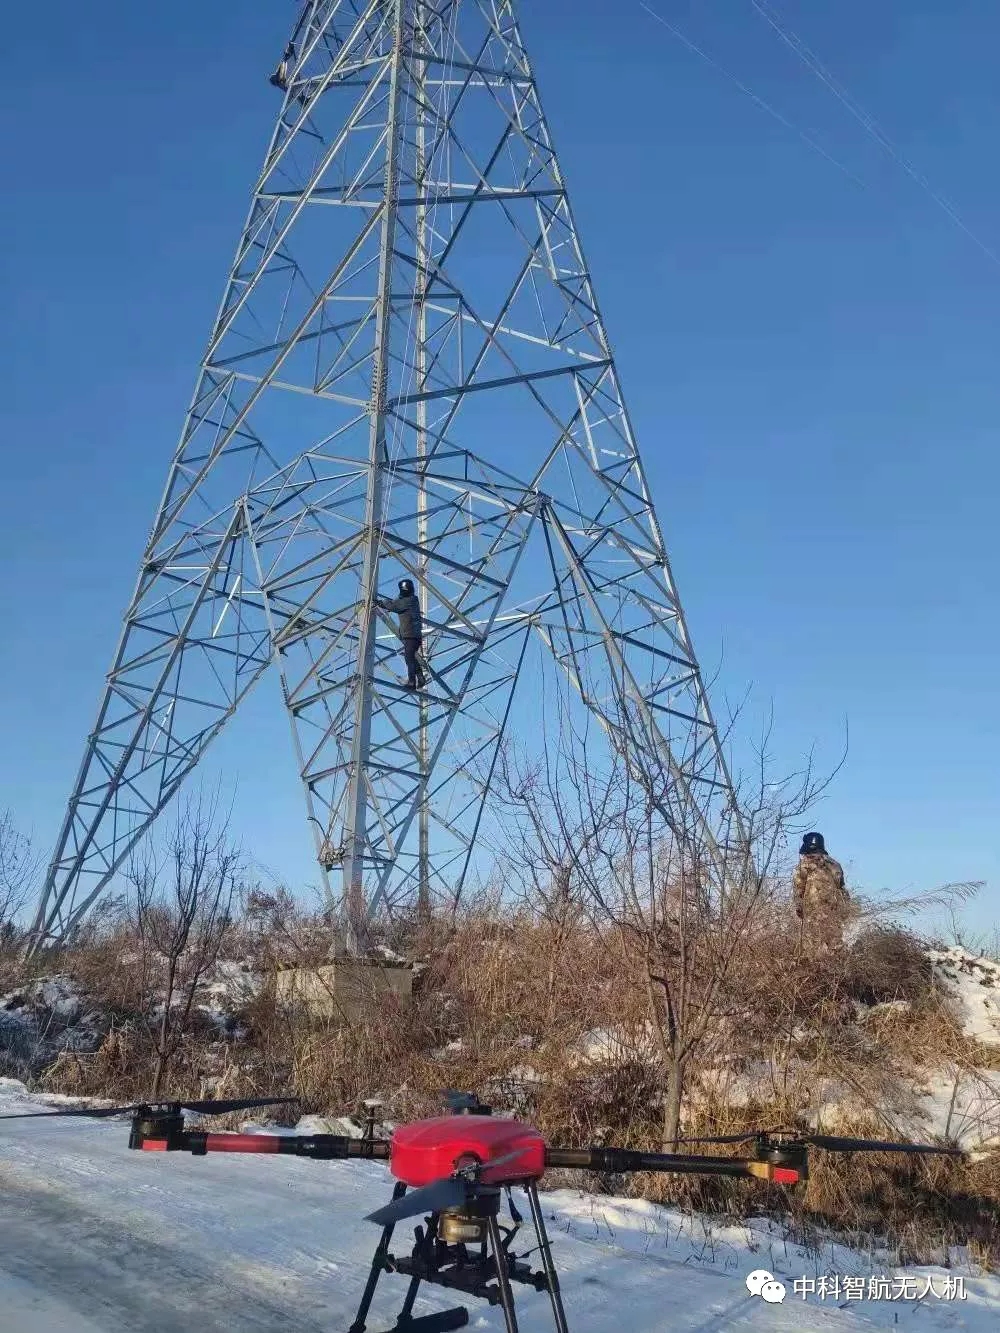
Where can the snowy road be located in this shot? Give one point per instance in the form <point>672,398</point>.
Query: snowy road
<point>97,1239</point>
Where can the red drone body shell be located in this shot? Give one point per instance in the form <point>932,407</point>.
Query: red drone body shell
<point>431,1149</point>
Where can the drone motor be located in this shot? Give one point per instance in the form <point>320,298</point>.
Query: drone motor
<point>469,1224</point>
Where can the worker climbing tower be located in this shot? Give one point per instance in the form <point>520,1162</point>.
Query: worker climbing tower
<point>408,377</point>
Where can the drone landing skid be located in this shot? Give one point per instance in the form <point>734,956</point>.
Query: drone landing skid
<point>484,1270</point>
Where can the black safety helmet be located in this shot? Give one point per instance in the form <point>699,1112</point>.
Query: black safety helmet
<point>812,842</point>
<point>406,587</point>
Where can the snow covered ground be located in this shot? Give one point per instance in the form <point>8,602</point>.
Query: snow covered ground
<point>97,1239</point>
<point>974,985</point>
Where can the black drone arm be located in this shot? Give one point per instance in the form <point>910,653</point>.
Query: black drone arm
<point>776,1156</point>
<point>785,1164</point>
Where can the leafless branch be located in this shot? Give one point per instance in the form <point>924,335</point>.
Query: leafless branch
<point>19,868</point>
<point>183,902</point>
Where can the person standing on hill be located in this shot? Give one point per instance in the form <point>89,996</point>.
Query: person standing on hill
<point>822,901</point>
<point>407,607</point>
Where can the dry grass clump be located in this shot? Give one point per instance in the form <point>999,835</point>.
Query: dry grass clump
<point>885,964</point>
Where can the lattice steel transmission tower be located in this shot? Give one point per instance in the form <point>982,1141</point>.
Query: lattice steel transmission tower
<point>408,376</point>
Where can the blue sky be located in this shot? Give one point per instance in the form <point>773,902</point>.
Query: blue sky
<point>818,354</point>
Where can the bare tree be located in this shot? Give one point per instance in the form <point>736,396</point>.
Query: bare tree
<point>19,866</point>
<point>182,910</point>
<point>677,901</point>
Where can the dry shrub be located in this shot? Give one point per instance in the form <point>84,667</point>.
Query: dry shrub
<point>886,963</point>
<point>102,962</point>
<point>120,1069</point>
<point>337,1066</point>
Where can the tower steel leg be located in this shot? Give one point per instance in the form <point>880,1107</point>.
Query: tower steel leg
<point>420,174</point>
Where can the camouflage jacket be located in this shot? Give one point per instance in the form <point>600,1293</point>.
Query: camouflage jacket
<point>818,883</point>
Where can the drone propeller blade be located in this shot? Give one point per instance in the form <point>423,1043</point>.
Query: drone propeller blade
<point>438,1197</point>
<point>216,1107</point>
<point>835,1144</point>
<point>832,1142</point>
<point>730,1138</point>
<point>745,1137</point>
<point>95,1112</point>
<point>208,1107</point>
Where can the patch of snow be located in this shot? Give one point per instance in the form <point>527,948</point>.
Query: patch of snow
<point>347,1125</point>
<point>390,955</point>
<point>973,985</point>
<point>866,1012</point>
<point>60,995</point>
<point>235,979</point>
<point>42,1019</point>
<point>447,1052</point>
<point>613,1045</point>
<point>960,1107</point>
<point>228,987</point>
<point>12,1087</point>
<point>523,1074</point>
<point>823,1096</point>
<point>57,994</point>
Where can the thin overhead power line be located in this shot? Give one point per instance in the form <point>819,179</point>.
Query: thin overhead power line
<point>813,63</point>
<point>758,101</point>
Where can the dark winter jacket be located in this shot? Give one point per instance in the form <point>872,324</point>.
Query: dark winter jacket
<point>408,610</point>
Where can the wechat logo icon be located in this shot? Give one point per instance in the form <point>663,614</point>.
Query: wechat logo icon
<point>765,1285</point>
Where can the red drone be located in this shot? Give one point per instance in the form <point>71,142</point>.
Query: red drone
<point>457,1168</point>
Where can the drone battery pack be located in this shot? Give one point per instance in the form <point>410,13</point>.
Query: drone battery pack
<point>431,1149</point>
